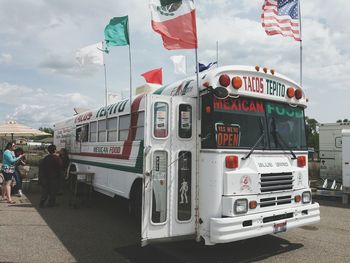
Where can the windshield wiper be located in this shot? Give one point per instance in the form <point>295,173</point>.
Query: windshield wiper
<point>257,142</point>
<point>279,140</point>
<point>206,137</point>
<point>254,146</point>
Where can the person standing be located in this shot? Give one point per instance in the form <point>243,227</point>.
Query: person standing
<point>18,176</point>
<point>65,164</point>
<point>8,170</point>
<point>50,170</point>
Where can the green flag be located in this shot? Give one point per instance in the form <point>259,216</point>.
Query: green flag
<point>116,32</point>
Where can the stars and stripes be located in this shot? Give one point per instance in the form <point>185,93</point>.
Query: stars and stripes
<point>281,17</point>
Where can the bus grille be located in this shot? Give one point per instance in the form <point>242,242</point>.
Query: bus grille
<point>272,201</point>
<point>273,182</point>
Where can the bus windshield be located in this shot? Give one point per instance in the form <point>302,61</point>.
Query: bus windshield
<point>243,122</point>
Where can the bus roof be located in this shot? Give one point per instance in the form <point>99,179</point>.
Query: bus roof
<point>254,82</point>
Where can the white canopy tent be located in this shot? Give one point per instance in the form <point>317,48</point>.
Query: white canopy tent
<point>14,129</point>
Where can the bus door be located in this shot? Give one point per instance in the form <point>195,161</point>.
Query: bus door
<point>169,168</point>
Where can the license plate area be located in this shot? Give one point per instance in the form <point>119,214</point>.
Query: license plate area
<point>280,227</point>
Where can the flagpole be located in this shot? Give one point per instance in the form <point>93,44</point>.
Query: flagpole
<point>301,47</point>
<point>217,53</point>
<point>130,72</point>
<point>198,140</point>
<point>106,88</point>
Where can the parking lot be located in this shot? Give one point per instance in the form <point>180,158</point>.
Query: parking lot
<point>104,232</point>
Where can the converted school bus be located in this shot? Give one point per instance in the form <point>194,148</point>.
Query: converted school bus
<point>221,160</point>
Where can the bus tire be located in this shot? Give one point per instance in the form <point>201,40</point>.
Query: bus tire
<point>135,201</point>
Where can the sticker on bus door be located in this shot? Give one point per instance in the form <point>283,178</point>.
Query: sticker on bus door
<point>185,120</point>
<point>160,120</point>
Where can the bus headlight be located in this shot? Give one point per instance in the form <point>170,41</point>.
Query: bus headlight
<point>241,206</point>
<point>306,197</point>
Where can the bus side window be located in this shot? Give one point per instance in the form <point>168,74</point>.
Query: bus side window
<point>185,121</point>
<point>78,134</point>
<point>93,131</point>
<point>112,131</point>
<point>124,124</point>
<point>84,136</point>
<point>160,120</point>
<point>102,130</point>
<point>140,126</point>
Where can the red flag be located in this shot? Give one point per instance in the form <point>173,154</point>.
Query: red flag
<point>175,21</point>
<point>154,76</point>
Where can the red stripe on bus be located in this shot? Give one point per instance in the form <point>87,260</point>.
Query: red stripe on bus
<point>125,155</point>
<point>132,128</point>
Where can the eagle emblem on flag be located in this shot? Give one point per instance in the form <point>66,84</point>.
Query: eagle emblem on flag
<point>168,7</point>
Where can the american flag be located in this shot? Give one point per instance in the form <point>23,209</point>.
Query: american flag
<point>281,17</point>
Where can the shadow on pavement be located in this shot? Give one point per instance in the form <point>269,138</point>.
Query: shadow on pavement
<point>105,232</point>
<point>189,251</point>
<point>330,201</point>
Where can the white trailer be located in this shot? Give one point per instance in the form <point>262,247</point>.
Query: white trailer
<point>331,151</point>
<point>346,164</point>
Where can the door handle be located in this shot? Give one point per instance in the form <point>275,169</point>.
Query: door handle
<point>346,163</point>
<point>147,149</point>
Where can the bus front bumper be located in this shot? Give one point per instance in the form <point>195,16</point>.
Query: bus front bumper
<point>229,229</point>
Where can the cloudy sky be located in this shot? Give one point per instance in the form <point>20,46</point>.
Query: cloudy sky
<point>41,83</point>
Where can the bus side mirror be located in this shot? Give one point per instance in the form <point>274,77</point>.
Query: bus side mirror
<point>220,92</point>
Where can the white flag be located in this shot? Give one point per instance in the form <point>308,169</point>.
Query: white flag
<point>92,54</point>
<point>179,64</point>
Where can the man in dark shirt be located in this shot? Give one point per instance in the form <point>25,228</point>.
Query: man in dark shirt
<point>49,176</point>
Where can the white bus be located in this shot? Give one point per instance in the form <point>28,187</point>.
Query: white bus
<point>221,161</point>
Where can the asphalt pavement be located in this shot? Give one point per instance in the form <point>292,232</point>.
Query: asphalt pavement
<point>103,231</point>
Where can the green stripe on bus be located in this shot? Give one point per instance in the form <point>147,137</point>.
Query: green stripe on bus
<point>138,168</point>
<point>160,90</point>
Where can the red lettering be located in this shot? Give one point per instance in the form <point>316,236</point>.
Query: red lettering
<point>245,106</point>
<point>249,84</point>
<point>259,107</point>
<point>245,83</point>
<point>219,140</point>
<point>225,139</point>
<point>235,139</point>
<point>260,82</point>
<point>253,84</point>
<point>234,105</point>
<point>252,106</point>
<point>217,104</point>
<point>227,105</point>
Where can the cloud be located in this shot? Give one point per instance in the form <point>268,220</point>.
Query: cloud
<point>66,65</point>
<point>5,58</point>
<point>37,107</point>
<point>40,38</point>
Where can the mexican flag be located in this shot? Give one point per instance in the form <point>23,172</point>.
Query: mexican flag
<point>175,21</point>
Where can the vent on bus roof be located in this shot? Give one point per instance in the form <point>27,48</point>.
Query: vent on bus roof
<point>273,182</point>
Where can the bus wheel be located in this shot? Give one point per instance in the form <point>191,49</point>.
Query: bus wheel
<point>135,201</point>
